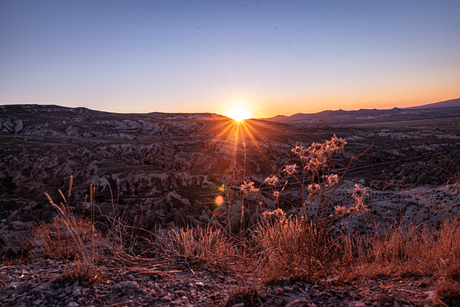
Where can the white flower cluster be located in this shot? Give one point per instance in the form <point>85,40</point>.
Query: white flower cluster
<point>290,169</point>
<point>318,154</point>
<point>271,180</point>
<point>277,213</point>
<point>248,187</point>
<point>359,193</point>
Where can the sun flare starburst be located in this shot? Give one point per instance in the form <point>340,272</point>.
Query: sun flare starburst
<point>232,139</point>
<point>239,113</point>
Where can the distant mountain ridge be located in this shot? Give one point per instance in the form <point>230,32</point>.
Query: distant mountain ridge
<point>452,103</point>
<point>443,109</point>
<point>56,110</point>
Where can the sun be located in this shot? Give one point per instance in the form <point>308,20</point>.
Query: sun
<point>239,113</point>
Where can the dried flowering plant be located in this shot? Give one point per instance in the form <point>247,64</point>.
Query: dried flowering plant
<point>315,160</point>
<point>313,169</point>
<point>248,187</point>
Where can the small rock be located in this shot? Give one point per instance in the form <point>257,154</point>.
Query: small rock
<point>68,289</point>
<point>76,291</point>
<point>19,225</point>
<point>287,288</point>
<point>43,287</point>
<point>13,285</point>
<point>126,285</point>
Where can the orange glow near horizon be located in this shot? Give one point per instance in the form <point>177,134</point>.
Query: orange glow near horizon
<point>266,106</point>
<point>293,105</point>
<point>239,113</point>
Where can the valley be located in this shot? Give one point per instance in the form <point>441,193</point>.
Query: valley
<point>163,177</point>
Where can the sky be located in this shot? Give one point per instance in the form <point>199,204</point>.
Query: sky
<point>273,57</point>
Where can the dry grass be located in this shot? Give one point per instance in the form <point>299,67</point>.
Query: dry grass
<point>275,247</point>
<point>67,237</point>
<point>206,243</point>
<point>293,248</point>
<point>71,238</point>
<point>419,250</point>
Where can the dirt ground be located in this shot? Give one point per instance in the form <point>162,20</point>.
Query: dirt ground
<point>180,282</point>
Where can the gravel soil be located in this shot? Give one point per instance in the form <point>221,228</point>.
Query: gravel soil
<point>177,282</point>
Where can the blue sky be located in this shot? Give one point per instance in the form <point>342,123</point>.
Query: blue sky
<point>277,57</point>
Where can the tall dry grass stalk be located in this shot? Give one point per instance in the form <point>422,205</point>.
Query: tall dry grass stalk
<point>69,237</point>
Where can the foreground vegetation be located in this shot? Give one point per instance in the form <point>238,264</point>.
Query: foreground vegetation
<point>265,243</point>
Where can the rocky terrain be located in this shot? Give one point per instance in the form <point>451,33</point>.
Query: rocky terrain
<point>161,160</point>
<point>135,155</point>
<point>140,157</point>
<point>161,172</point>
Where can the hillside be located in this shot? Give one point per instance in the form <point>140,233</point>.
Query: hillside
<point>444,109</point>
<point>452,103</point>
